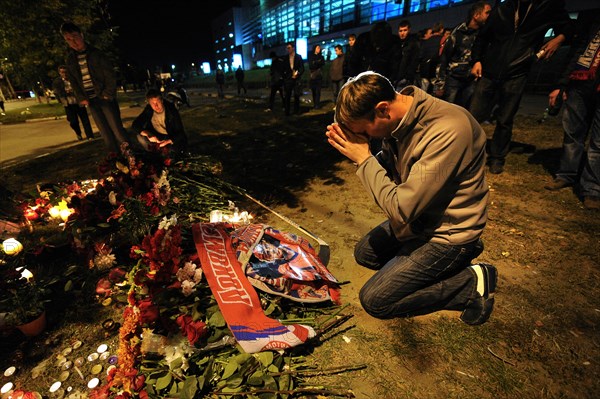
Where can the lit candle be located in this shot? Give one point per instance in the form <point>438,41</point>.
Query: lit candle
<point>26,274</point>
<point>54,212</point>
<point>64,214</point>
<point>12,246</point>
<point>6,387</point>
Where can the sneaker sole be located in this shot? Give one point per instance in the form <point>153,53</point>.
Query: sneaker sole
<point>491,281</point>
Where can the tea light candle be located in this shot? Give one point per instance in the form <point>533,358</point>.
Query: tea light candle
<point>54,387</point>
<point>54,212</point>
<point>6,387</point>
<point>64,214</point>
<point>93,383</point>
<point>102,348</point>
<point>11,246</point>
<point>10,371</point>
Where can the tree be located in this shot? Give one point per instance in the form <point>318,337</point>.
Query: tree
<point>31,45</point>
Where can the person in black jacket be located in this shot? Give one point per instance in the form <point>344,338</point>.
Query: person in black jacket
<point>159,126</point>
<point>293,69</point>
<point>95,86</point>
<point>579,87</point>
<point>503,54</point>
<point>316,61</point>
<point>406,56</point>
<point>454,82</point>
<point>276,79</point>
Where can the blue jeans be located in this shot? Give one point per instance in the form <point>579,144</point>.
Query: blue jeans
<point>509,93</point>
<point>414,277</point>
<point>107,115</point>
<point>581,115</point>
<point>459,91</point>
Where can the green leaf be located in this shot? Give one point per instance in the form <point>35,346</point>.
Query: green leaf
<point>234,381</point>
<point>217,320</point>
<point>265,358</point>
<point>176,364</point>
<point>229,370</point>
<point>190,387</point>
<point>163,381</point>
<point>103,225</point>
<point>285,382</point>
<point>242,358</point>
<point>68,286</point>
<point>174,389</point>
<point>256,379</point>
<point>270,382</point>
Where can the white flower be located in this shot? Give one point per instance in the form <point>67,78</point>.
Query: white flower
<point>187,287</point>
<point>198,275</point>
<point>104,261</point>
<point>167,223</point>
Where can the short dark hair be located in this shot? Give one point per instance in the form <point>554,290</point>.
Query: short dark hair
<point>437,27</point>
<point>352,35</point>
<point>69,27</point>
<point>403,23</point>
<point>339,47</point>
<point>475,8</point>
<point>153,93</point>
<point>291,44</point>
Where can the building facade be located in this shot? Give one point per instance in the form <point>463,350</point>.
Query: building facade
<point>245,35</point>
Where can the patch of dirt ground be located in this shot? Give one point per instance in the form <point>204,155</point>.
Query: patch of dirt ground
<point>542,340</point>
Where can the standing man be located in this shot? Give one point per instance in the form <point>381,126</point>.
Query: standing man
<point>455,83</point>
<point>276,76</point>
<point>293,68</point>
<point>95,86</point>
<point>406,56</point>
<point>239,77</point>
<point>352,61</point>
<point>581,115</point>
<point>503,53</point>
<point>336,71</point>
<point>429,181</point>
<point>63,90</point>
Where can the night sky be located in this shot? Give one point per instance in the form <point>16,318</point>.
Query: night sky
<point>156,33</point>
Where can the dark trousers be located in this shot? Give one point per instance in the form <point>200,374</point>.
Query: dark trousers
<point>414,277</point>
<point>292,86</point>
<point>75,113</point>
<point>107,115</point>
<point>581,117</point>
<point>336,85</point>
<point>459,91</point>
<point>315,87</point>
<point>276,87</point>
<point>509,93</point>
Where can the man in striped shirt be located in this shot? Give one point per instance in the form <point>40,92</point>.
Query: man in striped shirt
<point>95,86</point>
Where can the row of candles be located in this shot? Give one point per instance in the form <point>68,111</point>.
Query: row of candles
<point>56,212</point>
